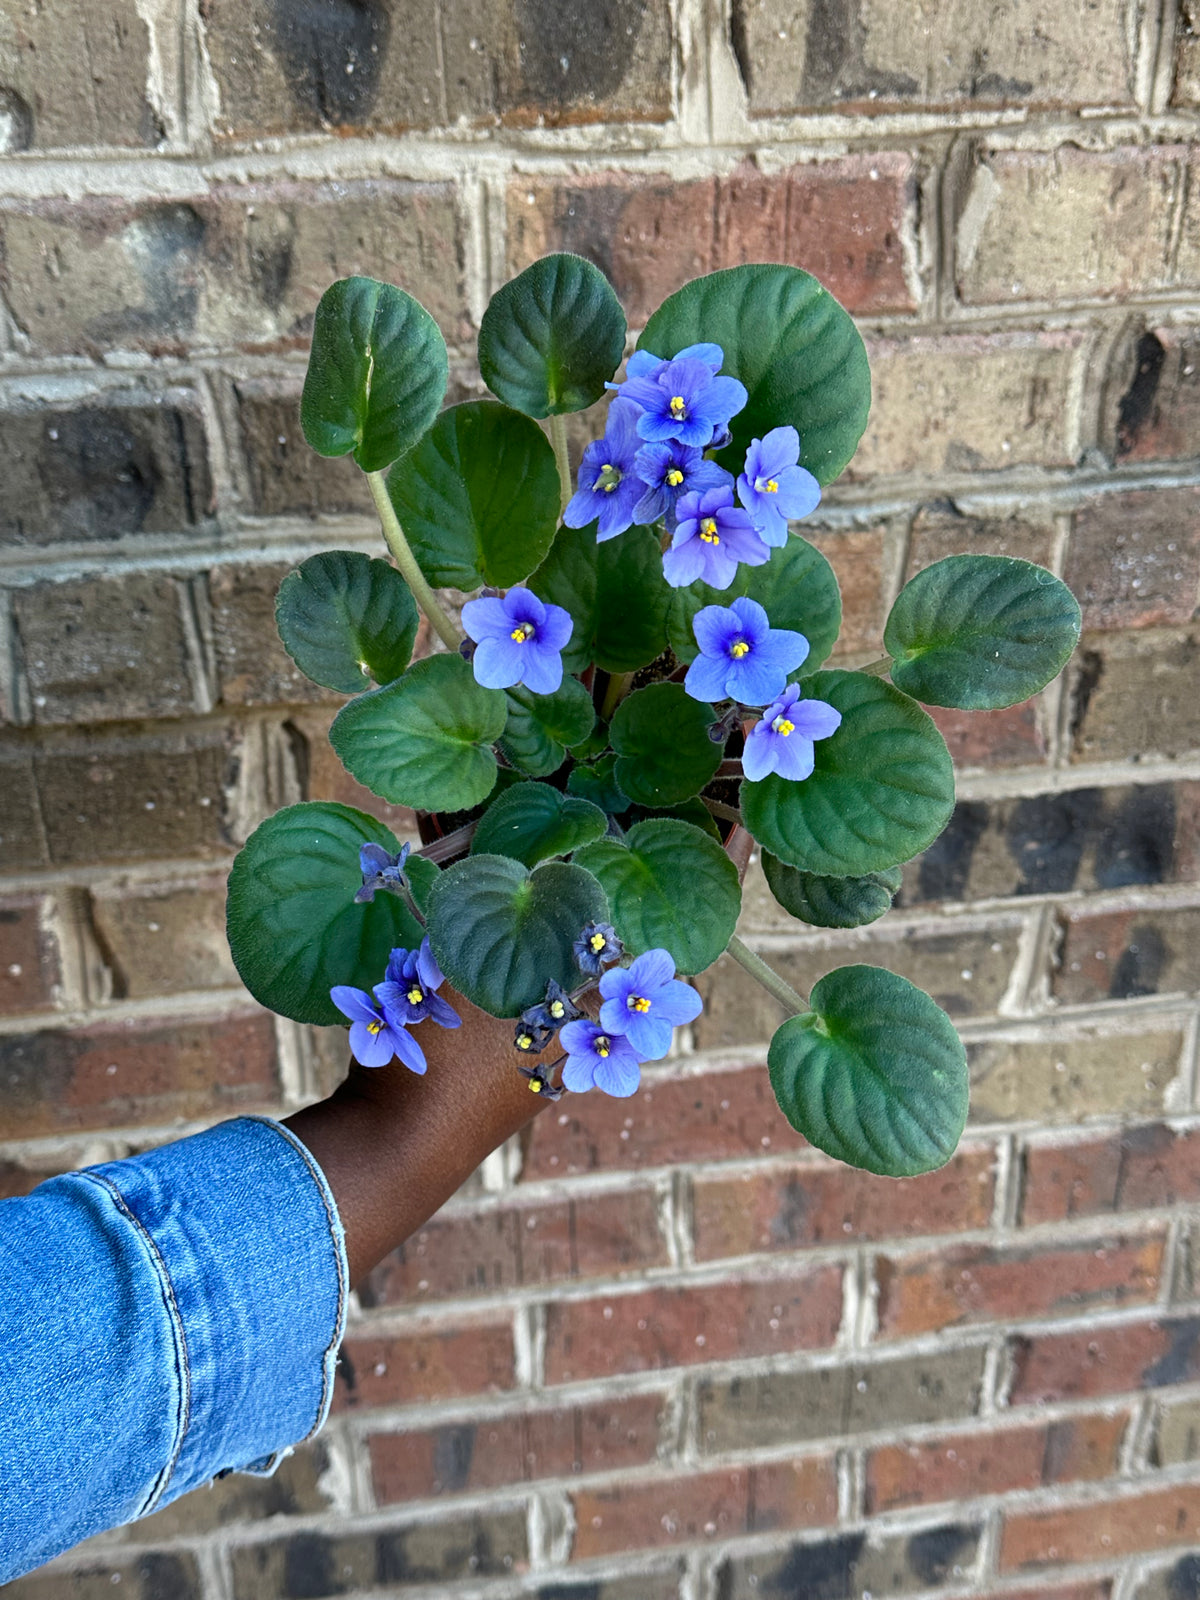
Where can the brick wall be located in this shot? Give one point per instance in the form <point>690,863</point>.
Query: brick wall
<point>660,1351</point>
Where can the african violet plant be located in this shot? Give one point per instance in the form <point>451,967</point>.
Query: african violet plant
<point>640,696</point>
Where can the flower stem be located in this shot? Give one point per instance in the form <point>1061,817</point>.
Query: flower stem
<point>720,809</point>
<point>770,980</point>
<point>407,562</point>
<point>877,669</point>
<point>618,688</point>
<point>558,438</point>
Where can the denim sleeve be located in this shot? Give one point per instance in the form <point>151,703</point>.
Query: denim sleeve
<point>162,1320</point>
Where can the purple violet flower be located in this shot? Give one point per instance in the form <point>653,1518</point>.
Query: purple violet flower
<point>742,656</point>
<point>645,1002</point>
<point>773,488</point>
<point>376,1035</point>
<point>407,990</point>
<point>520,639</point>
<point>596,947</point>
<point>710,538</point>
<point>609,487</point>
<point>685,401</point>
<point>600,1060</point>
<point>380,871</point>
<point>668,471</point>
<point>643,364</point>
<point>783,741</point>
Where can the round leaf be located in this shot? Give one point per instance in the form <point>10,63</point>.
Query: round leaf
<point>831,902</point>
<point>874,1075</point>
<point>882,788</point>
<point>596,782</point>
<point>552,337</point>
<point>500,932</point>
<point>425,740</point>
<point>541,726</point>
<point>376,374</point>
<point>478,497</point>
<point>669,886</point>
<point>344,616</point>
<point>532,822</point>
<point>793,346</point>
<point>664,754</point>
<point>980,632</point>
<point>294,929</point>
<point>616,594</point>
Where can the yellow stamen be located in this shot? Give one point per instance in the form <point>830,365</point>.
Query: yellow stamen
<point>708,531</point>
<point>523,631</point>
<point>771,486</point>
<point>637,1002</point>
<point>738,649</point>
<point>674,478</point>
<point>608,479</point>
<point>678,406</point>
<point>596,943</point>
<point>601,1045</point>
<point>374,1027</point>
<point>557,1009</point>
<point>535,1085</point>
<point>415,996</point>
<point>783,726</point>
<point>524,1041</point>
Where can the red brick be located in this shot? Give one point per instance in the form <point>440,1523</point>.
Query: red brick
<point>1014,736</point>
<point>1131,699</point>
<point>704,1506</point>
<point>810,1204</point>
<point>940,530</point>
<point>859,561</point>
<point>287,477</point>
<point>136,1073</point>
<point>30,963</point>
<point>499,1451</point>
<point>165,936</point>
<point>677,1326</point>
<point>427,1361</point>
<point>1157,416</point>
<point>1134,558</point>
<point>983,1283</point>
<point>1133,1170</point>
<point>327,778</point>
<point>1114,1360</point>
<point>1115,955</point>
<point>843,220</point>
<point>1098,1589</point>
<point>479,1251</point>
<point>1102,1530</point>
<point>959,1466</point>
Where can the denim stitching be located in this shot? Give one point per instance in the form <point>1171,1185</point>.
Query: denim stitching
<point>182,1364</point>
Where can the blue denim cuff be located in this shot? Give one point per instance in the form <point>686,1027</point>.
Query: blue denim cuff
<point>249,1244</point>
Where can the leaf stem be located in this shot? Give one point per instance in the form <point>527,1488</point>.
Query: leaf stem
<point>558,438</point>
<point>618,688</point>
<point>877,669</point>
<point>720,809</point>
<point>770,980</point>
<point>407,562</point>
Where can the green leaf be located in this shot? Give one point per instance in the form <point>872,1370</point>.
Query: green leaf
<point>344,616</point>
<point>980,632</point>
<point>664,754</point>
<point>693,811</point>
<point>500,933</point>
<point>796,588</point>
<point>616,594</point>
<point>425,740</point>
<point>668,886</point>
<point>874,1075</point>
<point>552,337</point>
<point>532,822</point>
<point>541,726</point>
<point>831,902</point>
<point>376,374</point>
<point>478,497</point>
<point>793,346</point>
<point>294,929</point>
<point>596,782</point>
<point>882,788</point>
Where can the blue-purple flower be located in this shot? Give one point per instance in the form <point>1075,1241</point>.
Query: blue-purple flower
<point>684,400</point>
<point>710,538</point>
<point>520,640</point>
<point>553,1012</point>
<point>773,487</point>
<point>645,1002</point>
<point>380,871</point>
<point>742,656</point>
<point>644,364</point>
<point>668,471</point>
<point>598,1058</point>
<point>783,741</point>
<point>597,947</point>
<point>609,487</point>
<point>409,985</point>
<point>376,1034</point>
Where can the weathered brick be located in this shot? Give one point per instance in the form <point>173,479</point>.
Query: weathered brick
<point>1180,1580</point>
<point>240,265</point>
<point>969,402</point>
<point>794,55</point>
<point>23,841</point>
<point>648,1585</point>
<point>115,1074</point>
<point>1152,403</point>
<point>1177,1432</point>
<point>107,649</point>
<point>1114,955</point>
<point>253,668</point>
<point>751,1315</point>
<point>1130,697</point>
<point>163,937</point>
<point>852,1564</point>
<point>1187,55</point>
<point>859,561</point>
<point>1097,1071</point>
<point>843,220</point>
<point>482,1250</point>
<point>940,530</point>
<point>325,778</point>
<point>426,1361</point>
<point>1134,558</point>
<point>697,1507</point>
<point>1014,736</point>
<point>293,1489</point>
<point>499,1451</point>
<point>379,67</point>
<point>152,1576</point>
<point>1132,1170</point>
<point>1067,224</point>
<point>809,1204</point>
<point>285,475</point>
<point>1100,1361</point>
<point>781,1408</point>
<point>1096,1589</point>
<point>479,1544</point>
<point>30,958</point>
<point>1101,1531</point>
<point>127,462</point>
<point>961,1465</point>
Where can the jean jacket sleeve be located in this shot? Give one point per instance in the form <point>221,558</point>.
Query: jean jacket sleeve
<point>162,1320</point>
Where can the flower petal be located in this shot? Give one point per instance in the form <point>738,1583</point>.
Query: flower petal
<point>370,1049</point>
<point>815,719</point>
<point>497,663</point>
<point>485,619</point>
<point>715,626</point>
<point>542,669</point>
<point>619,1075</point>
<point>649,1035</point>
<point>755,623</point>
<point>706,678</point>
<point>651,969</point>
<point>758,757</point>
<point>577,1073</point>
<point>678,1003</point>
<point>353,1003</point>
<point>409,1051</point>
<point>614,1016</point>
<point>795,757</point>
